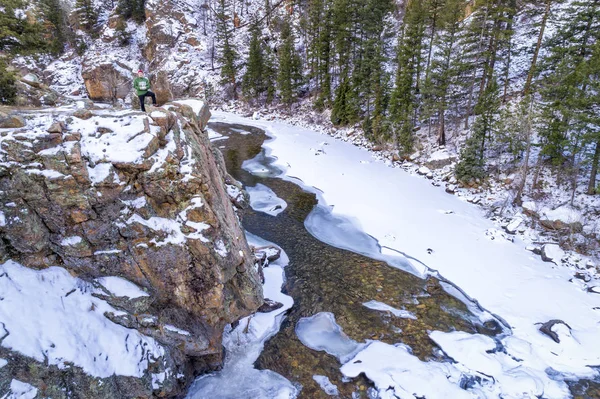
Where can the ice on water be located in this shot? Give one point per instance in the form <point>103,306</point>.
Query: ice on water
<point>261,166</point>
<point>326,385</point>
<point>383,307</point>
<point>263,199</point>
<point>320,332</point>
<point>346,233</point>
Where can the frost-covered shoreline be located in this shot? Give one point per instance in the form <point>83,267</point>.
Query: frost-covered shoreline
<point>467,249</point>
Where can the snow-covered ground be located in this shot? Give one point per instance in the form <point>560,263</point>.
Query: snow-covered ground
<point>239,379</point>
<point>441,234</point>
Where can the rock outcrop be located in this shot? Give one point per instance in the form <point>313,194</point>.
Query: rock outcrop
<point>106,79</point>
<point>136,209</point>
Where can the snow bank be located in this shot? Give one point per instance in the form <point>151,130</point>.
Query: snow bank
<point>408,215</point>
<point>239,379</point>
<point>52,316</point>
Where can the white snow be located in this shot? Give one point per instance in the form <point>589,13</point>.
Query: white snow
<point>478,355</point>
<point>21,390</point>
<point>326,385</point>
<point>553,252</point>
<point>263,199</point>
<point>375,305</point>
<point>398,374</point>
<point>172,229</point>
<point>321,333</point>
<point>137,203</point>
<point>53,317</point>
<point>70,241</point>
<point>176,330</point>
<point>239,379</point>
<point>195,104</point>
<point>565,214</point>
<point>402,212</point>
<point>99,173</point>
<point>119,286</point>
<point>108,252</point>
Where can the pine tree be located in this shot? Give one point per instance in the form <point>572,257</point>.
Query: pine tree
<point>345,105</point>
<point>18,35</point>
<point>289,74</point>
<point>404,96</point>
<point>8,88</point>
<point>87,16</point>
<point>132,9</point>
<point>227,55</point>
<point>444,69</point>
<point>258,77</point>
<point>55,24</point>
<point>568,87</point>
<point>319,50</point>
<point>472,160</point>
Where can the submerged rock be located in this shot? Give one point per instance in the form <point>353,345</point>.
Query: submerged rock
<point>138,212</point>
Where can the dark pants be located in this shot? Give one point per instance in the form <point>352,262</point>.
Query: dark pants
<point>143,98</point>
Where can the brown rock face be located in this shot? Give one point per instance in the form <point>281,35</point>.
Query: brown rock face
<point>106,80</point>
<point>142,198</point>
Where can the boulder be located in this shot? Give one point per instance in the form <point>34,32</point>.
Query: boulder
<point>84,114</point>
<point>11,121</point>
<point>564,217</point>
<point>424,171</point>
<point>552,329</point>
<point>552,253</point>
<point>106,79</point>
<point>161,87</point>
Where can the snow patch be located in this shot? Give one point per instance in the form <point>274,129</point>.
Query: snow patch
<point>119,286</point>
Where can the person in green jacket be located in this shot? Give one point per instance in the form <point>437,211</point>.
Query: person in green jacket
<point>141,84</point>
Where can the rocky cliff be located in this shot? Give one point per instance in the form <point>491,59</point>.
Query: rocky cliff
<point>121,256</point>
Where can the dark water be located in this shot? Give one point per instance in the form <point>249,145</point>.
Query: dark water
<point>322,278</point>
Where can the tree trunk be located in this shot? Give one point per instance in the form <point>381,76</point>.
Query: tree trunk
<point>538,45</point>
<point>592,184</point>
<point>518,200</point>
<point>442,134</point>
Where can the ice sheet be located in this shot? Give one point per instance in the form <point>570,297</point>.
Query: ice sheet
<point>263,199</point>
<point>320,332</point>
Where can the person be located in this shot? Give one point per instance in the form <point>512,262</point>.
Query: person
<point>141,84</point>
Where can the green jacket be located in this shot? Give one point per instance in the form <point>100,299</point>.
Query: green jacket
<point>141,85</point>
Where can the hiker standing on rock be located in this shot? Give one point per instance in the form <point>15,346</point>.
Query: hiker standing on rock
<point>141,84</point>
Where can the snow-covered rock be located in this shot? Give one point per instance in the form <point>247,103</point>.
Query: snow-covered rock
<point>560,218</point>
<point>137,206</point>
<point>552,253</point>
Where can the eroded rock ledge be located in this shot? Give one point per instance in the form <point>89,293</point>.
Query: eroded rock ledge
<point>135,208</point>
